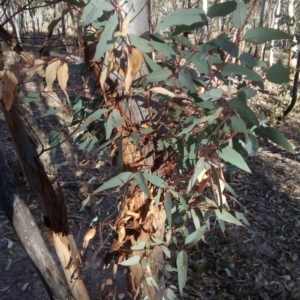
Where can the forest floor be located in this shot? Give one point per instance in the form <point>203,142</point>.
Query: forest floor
<point>260,261</point>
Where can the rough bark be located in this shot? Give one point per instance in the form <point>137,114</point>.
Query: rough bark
<point>151,220</point>
<point>139,218</point>
<point>51,203</point>
<point>29,234</point>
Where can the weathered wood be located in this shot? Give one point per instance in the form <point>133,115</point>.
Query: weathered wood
<point>29,234</point>
<point>51,204</point>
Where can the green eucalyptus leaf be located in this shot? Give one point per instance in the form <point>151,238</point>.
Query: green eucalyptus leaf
<point>185,80</point>
<point>230,190</point>
<point>117,181</point>
<point>114,121</point>
<point>277,137</point>
<point>171,295</point>
<point>94,10</point>
<point>159,75</point>
<point>168,208</point>
<point>278,73</point>
<point>262,35</point>
<point>240,14</point>
<point>107,38</point>
<point>200,166</point>
<point>131,261</point>
<point>238,124</point>
<point>140,179</point>
<point>182,266</point>
<point>31,97</point>
<point>228,154</point>
<point>163,49</point>
<point>227,217</point>
<point>196,219</point>
<point>183,16</point>
<point>221,9</point>
<point>139,246</point>
<point>155,180</point>
<point>85,202</point>
<point>217,183</point>
<point>53,142</point>
<point>244,110</point>
<point>141,44</point>
<point>95,116</point>
<point>248,92</point>
<point>212,95</point>
<point>51,111</point>
<point>187,28</point>
<point>194,237</point>
<point>249,61</point>
<point>152,65</point>
<point>251,144</point>
<point>232,70</point>
<point>240,216</point>
<point>225,44</point>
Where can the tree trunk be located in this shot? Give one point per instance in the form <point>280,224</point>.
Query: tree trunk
<point>276,12</point>
<point>291,31</point>
<point>154,217</point>
<point>139,217</point>
<point>29,234</point>
<point>51,204</point>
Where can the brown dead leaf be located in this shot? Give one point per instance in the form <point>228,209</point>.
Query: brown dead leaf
<point>10,83</point>
<point>134,64</point>
<point>84,162</point>
<point>128,77</point>
<point>163,91</point>
<point>136,58</point>
<point>63,75</point>
<point>107,69</point>
<point>51,73</point>
<point>88,236</point>
<point>125,26</point>
<point>17,6</point>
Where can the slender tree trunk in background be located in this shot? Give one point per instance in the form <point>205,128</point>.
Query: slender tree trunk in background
<point>16,22</point>
<point>274,24</point>
<point>260,24</point>
<point>204,29</point>
<point>291,31</point>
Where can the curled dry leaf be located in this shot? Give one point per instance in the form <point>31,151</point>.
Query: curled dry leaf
<point>125,26</point>
<point>134,64</point>
<point>163,91</point>
<point>17,6</point>
<point>221,199</point>
<point>51,73</point>
<point>136,58</point>
<point>88,236</point>
<point>9,84</point>
<point>63,75</point>
<point>107,69</point>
